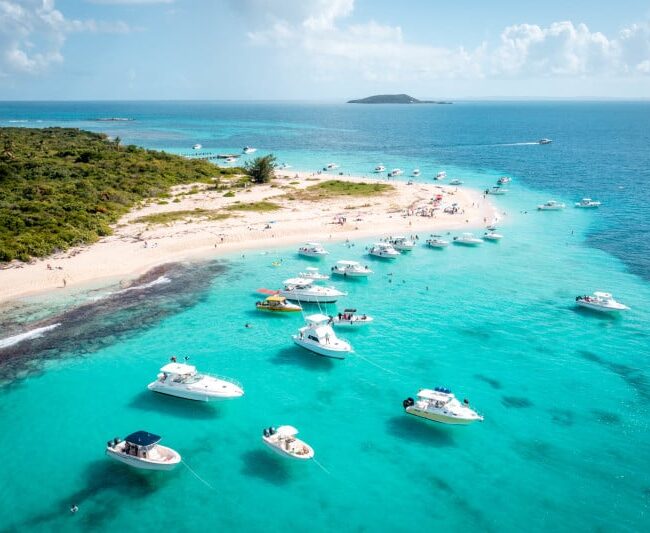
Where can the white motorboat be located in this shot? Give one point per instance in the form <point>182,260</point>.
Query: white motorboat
<point>587,203</point>
<point>331,166</point>
<point>401,243</point>
<point>396,172</point>
<point>183,380</point>
<point>313,273</point>
<point>197,146</point>
<point>319,337</point>
<point>249,150</point>
<point>384,250</point>
<point>601,301</point>
<point>551,205</point>
<point>313,249</point>
<point>277,304</point>
<point>303,290</point>
<point>352,269</point>
<point>380,168</point>
<point>436,241</point>
<point>416,172</point>
<point>141,450</point>
<point>468,239</point>
<point>497,189</point>
<point>503,180</point>
<point>492,236</point>
<point>440,175</point>
<point>455,181</point>
<point>440,405</point>
<point>231,159</point>
<point>350,318</point>
<point>545,141</point>
<point>283,441</point>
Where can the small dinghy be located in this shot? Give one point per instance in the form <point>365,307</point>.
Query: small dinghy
<point>283,441</point>
<point>141,450</point>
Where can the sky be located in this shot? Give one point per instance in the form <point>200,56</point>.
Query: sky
<point>322,49</point>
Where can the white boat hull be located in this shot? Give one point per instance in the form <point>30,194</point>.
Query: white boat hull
<point>439,417</point>
<point>383,255</point>
<point>351,323</point>
<point>477,242</point>
<point>352,274</point>
<point>601,308</point>
<point>286,453</point>
<point>438,245</point>
<point>228,393</point>
<point>320,349</point>
<point>146,464</point>
<point>309,298</point>
<point>306,253</point>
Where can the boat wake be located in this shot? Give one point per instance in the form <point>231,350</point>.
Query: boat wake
<point>517,144</point>
<point>32,334</point>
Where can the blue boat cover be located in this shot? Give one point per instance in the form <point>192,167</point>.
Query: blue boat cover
<point>142,438</point>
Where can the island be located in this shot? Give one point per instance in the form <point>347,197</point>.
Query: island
<point>394,99</point>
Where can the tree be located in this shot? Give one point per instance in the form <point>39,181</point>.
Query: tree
<point>117,142</point>
<point>261,169</point>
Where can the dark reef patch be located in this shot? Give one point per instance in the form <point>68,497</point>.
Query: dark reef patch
<point>634,377</point>
<point>562,417</point>
<point>605,417</point>
<point>516,402</point>
<point>494,383</point>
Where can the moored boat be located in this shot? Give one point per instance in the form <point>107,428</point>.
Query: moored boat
<point>492,236</point>
<point>197,146</point>
<point>436,241</point>
<point>497,190</point>
<point>352,269</point>
<point>384,250</point>
<point>141,450</point>
<point>396,172</point>
<point>313,273</point>
<point>440,405</point>
<point>313,249</point>
<point>601,301</point>
<point>283,441</point>
<point>587,203</point>
<point>304,290</point>
<point>401,243</point>
<point>277,304</point>
<point>350,318</point>
<point>440,175</point>
<point>249,150</point>
<point>468,239</point>
<point>318,336</point>
<point>183,381</point>
<point>551,205</point>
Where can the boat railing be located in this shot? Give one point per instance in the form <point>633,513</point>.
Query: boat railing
<point>224,378</point>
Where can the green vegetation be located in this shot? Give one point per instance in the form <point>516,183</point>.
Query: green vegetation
<point>261,169</point>
<point>174,216</point>
<point>260,206</point>
<point>229,194</point>
<point>61,187</point>
<point>338,188</point>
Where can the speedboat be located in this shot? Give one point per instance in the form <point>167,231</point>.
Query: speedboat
<point>331,166</point>
<point>455,181</point>
<point>440,405</point>
<point>312,249</point>
<point>182,380</point>
<point>440,175</point>
<point>401,243</point>
<point>231,159</point>
<point>352,269</point>
<point>283,441</point>
<point>416,172</point>
<point>503,180</point>
<point>277,304</point>
<point>468,239</point>
<point>319,337</point>
<point>249,150</point>
<point>141,450</point>
<point>349,318</point>
<point>303,290</point>
<point>545,141</point>
<point>313,273</point>
<point>601,301</point>
<point>587,203</point>
<point>384,250</point>
<point>197,146</point>
<point>380,168</point>
<point>396,172</point>
<point>497,189</point>
<point>551,205</point>
<point>436,241</point>
<point>492,236</point>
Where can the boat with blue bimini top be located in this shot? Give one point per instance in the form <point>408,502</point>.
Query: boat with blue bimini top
<point>141,450</point>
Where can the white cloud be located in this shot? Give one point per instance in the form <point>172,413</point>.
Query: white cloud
<point>130,2</point>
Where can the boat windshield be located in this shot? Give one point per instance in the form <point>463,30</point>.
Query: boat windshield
<point>188,379</point>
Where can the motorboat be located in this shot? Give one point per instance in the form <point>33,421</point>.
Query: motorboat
<point>331,166</point>
<point>545,141</point>
<point>396,172</point>
<point>313,249</point>
<point>503,180</point>
<point>283,441</point>
<point>440,405</point>
<point>313,273</point>
<point>492,236</point>
<point>352,269</point>
<point>350,318</point>
<point>455,181</point>
<point>249,150</point>
<point>440,175</point>
<point>468,239</point>
<point>141,450</point>
<point>197,146</point>
<point>384,250</point>
<point>416,172</point>
<point>436,241</point>
<point>303,290</point>
<point>380,168</point>
<point>319,337</point>
<point>277,304</point>
<point>551,205</point>
<point>497,189</point>
<point>231,159</point>
<point>601,301</point>
<point>587,203</point>
<point>401,243</point>
<point>183,380</point>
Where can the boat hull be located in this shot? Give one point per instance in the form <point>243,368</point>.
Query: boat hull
<point>145,464</point>
<point>313,255</point>
<point>468,243</point>
<point>310,298</point>
<point>600,308</point>
<point>351,323</point>
<point>383,256</point>
<point>284,453</point>
<point>293,309</point>
<point>351,274</point>
<point>439,417</point>
<point>320,349</point>
<point>188,394</point>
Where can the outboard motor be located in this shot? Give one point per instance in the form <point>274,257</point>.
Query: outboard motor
<point>109,444</point>
<point>266,432</point>
<point>408,402</point>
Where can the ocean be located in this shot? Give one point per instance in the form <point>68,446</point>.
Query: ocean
<point>565,393</point>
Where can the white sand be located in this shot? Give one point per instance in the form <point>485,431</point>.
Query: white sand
<point>124,254</point>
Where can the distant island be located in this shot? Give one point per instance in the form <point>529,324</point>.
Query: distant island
<point>394,99</point>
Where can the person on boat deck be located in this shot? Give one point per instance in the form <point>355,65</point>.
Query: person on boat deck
<point>327,338</point>
<point>173,358</point>
<point>340,315</point>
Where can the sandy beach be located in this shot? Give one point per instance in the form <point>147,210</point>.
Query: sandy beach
<point>136,247</point>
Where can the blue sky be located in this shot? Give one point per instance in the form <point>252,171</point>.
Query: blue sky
<point>322,49</point>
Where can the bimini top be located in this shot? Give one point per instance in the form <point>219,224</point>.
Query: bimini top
<point>178,368</point>
<point>286,431</point>
<point>314,244</point>
<point>438,394</point>
<point>347,263</point>
<point>298,281</point>
<point>317,319</point>
<point>276,298</point>
<point>604,295</point>
<point>142,438</point>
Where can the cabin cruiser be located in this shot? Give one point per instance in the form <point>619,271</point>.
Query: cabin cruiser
<point>587,203</point>
<point>352,269</point>
<point>313,273</point>
<point>551,205</point>
<point>319,337</point>
<point>349,318</point>
<point>283,441</point>
<point>455,181</point>
<point>141,450</point>
<point>503,180</point>
<point>440,405</point>
<point>440,176</point>
<point>231,159</point>
<point>497,189</point>
<point>303,290</point>
<point>416,172</point>
<point>197,146</point>
<point>249,150</point>
<point>401,243</point>
<point>277,304</point>
<point>436,241</point>
<point>601,301</point>
<point>331,166</point>
<point>396,172</point>
<point>384,250</point>
<point>313,249</point>
<point>182,380</point>
<point>545,141</point>
<point>492,236</point>
<point>468,239</point>
<point>380,168</point>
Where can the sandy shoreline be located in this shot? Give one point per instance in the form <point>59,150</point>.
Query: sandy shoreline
<point>135,248</point>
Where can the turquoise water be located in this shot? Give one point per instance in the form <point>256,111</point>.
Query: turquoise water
<point>565,393</point>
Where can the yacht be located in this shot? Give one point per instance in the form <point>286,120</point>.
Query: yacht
<point>350,318</point>
<point>440,405</point>
<point>416,172</point>
<point>436,241</point>
<point>468,239</point>
<point>303,290</point>
<point>313,249</point>
<point>380,168</point>
<point>551,205</point>
<point>587,203</point>
<point>313,273</point>
<point>455,181</point>
<point>384,250</point>
<point>401,243</point>
<point>277,304</point>
<point>352,269</point>
<point>331,166</point>
<point>440,175</point>
<point>231,159</point>
<point>197,146</point>
<point>183,380</point>
<point>249,150</point>
<point>601,301</point>
<point>503,180</point>
<point>319,337</point>
<point>497,189</point>
<point>492,236</point>
<point>545,141</point>
<point>141,450</point>
<point>283,441</point>
<point>396,172</point>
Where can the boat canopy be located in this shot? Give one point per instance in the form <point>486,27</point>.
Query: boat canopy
<point>276,298</point>
<point>178,368</point>
<point>317,319</point>
<point>298,281</point>
<point>605,295</point>
<point>142,438</point>
<point>314,244</point>
<point>350,310</point>
<point>286,431</point>
<point>347,263</point>
<point>440,394</point>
